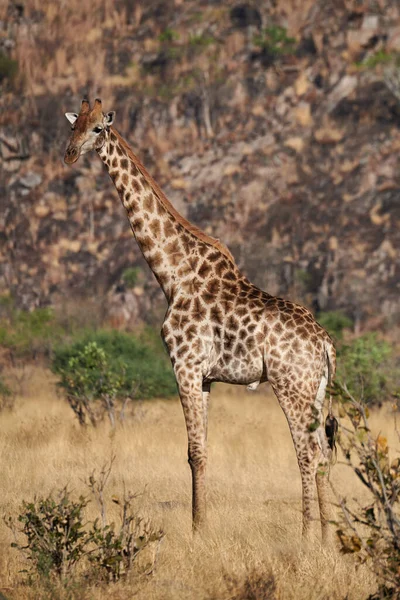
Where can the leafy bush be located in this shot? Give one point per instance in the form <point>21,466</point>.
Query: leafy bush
<point>371,531</point>
<point>27,333</point>
<point>275,40</point>
<point>55,536</point>
<point>365,367</point>
<point>58,538</point>
<point>137,364</point>
<point>8,67</point>
<point>168,35</point>
<point>334,322</point>
<point>6,396</point>
<point>131,276</point>
<point>89,380</point>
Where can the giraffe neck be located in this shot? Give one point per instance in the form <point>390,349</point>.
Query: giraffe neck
<point>169,243</point>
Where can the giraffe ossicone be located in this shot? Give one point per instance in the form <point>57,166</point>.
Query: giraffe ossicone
<point>218,325</point>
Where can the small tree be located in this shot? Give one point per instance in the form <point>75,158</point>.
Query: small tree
<point>371,531</point>
<point>91,385</point>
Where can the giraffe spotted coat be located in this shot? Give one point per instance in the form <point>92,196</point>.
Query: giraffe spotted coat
<point>219,326</point>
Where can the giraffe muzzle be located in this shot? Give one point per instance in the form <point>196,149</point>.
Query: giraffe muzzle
<point>71,155</point>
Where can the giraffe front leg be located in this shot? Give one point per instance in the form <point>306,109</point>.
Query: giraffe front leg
<point>194,403</point>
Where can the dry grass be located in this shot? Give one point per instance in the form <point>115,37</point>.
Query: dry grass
<point>254,496</point>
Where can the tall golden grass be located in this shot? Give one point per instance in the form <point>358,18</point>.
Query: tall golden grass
<point>254,493</point>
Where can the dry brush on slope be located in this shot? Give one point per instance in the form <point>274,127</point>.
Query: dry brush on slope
<point>273,126</point>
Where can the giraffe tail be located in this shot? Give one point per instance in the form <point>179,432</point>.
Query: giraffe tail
<point>331,423</point>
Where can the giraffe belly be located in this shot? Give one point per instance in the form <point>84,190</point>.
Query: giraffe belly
<point>249,371</point>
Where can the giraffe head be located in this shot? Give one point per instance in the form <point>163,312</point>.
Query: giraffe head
<point>89,130</point>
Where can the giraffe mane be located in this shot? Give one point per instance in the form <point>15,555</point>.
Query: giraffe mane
<point>196,231</point>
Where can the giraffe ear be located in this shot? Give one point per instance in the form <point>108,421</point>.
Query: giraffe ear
<point>110,116</point>
<point>72,117</point>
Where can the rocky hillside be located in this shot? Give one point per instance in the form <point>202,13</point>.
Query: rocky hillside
<point>273,125</point>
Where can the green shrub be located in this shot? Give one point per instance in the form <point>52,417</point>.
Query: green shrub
<point>203,40</point>
<point>58,537</point>
<point>366,366</point>
<point>275,40</point>
<point>381,57</point>
<point>91,384</point>
<point>27,333</point>
<point>131,276</point>
<point>371,530</point>
<point>168,35</point>
<point>55,536</point>
<point>139,363</point>
<point>8,67</point>
<point>334,322</point>
<point>6,396</point>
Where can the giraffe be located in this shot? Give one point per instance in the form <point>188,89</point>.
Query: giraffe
<point>219,327</point>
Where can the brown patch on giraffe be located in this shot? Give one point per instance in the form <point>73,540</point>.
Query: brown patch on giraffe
<point>213,256</point>
<point>242,334</point>
<point>198,311</point>
<point>148,202</point>
<point>260,337</point>
<point>144,182</point>
<point>232,323</point>
<point>125,179</point>
<point>251,328</point>
<point>302,332</point>
<point>190,332</point>
<point>155,228</point>
<point>114,163</point>
<point>135,185</point>
<point>183,303</point>
<point>169,228</point>
<point>173,250</point>
<point>250,343</point>
<point>191,286</point>
<point>221,267</point>
<point>165,329</point>
<point>216,315</point>
<point>124,164</point>
<point>227,306</point>
<point>204,269</point>
<point>188,244</point>
<point>229,341</point>
<point>147,244</point>
<point>197,346</point>
<point>178,339</point>
<point>182,350</point>
<point>240,350</point>
<point>179,321</point>
<point>134,169</point>
<point>163,278</point>
<point>230,276</point>
<point>155,260</point>
<point>207,297</point>
<point>119,150</point>
<point>213,286</point>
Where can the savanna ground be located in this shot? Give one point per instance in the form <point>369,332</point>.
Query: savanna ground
<point>254,494</point>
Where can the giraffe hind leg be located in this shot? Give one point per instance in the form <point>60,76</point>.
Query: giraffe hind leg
<point>303,412</point>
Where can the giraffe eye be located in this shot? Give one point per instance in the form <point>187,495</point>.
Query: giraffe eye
<point>98,129</point>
